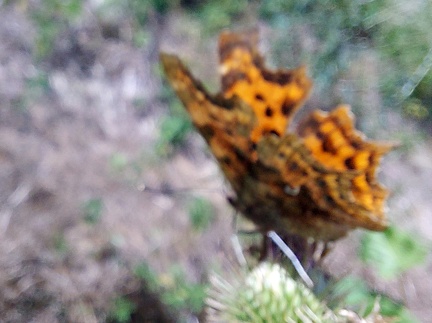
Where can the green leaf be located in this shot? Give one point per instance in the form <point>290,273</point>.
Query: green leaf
<point>118,162</point>
<point>122,310</point>
<point>354,292</point>
<point>390,308</point>
<point>183,294</point>
<point>146,274</point>
<point>392,252</point>
<point>174,129</point>
<point>356,295</point>
<point>200,213</point>
<point>60,243</point>
<point>93,210</point>
<point>216,15</point>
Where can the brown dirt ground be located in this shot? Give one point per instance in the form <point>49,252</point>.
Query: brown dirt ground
<point>56,153</point>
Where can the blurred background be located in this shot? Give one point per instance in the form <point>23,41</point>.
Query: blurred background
<point>111,206</point>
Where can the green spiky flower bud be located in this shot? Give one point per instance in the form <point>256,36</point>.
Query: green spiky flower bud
<point>265,294</point>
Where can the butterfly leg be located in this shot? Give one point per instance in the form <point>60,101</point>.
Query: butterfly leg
<point>327,247</point>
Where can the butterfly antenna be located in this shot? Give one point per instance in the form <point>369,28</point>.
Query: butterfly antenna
<point>172,191</point>
<point>292,257</point>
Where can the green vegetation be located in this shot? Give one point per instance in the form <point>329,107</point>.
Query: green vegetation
<point>93,210</point>
<point>216,15</point>
<point>147,275</point>
<point>173,131</point>
<point>392,252</point>
<point>201,214</point>
<point>51,18</point>
<point>60,243</point>
<point>118,162</point>
<point>181,294</point>
<point>353,293</point>
<point>36,86</point>
<point>122,310</point>
<point>174,127</point>
<point>175,289</point>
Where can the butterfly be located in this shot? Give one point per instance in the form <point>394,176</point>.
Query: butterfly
<point>318,181</point>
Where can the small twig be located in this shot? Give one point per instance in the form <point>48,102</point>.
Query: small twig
<point>419,74</point>
<point>17,197</point>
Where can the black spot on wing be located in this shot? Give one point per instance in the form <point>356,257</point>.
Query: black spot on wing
<point>349,163</point>
<point>287,108</point>
<point>207,131</point>
<point>328,146</point>
<point>268,112</point>
<point>293,166</point>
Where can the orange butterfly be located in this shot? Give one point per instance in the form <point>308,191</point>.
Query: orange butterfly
<point>318,182</point>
